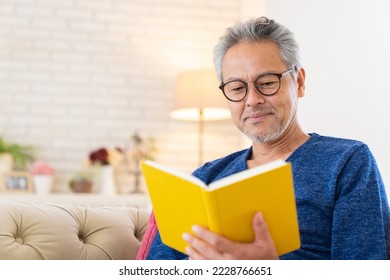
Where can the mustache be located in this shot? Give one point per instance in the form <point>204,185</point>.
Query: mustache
<point>262,109</point>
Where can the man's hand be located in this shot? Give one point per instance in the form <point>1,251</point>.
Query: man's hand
<point>206,245</point>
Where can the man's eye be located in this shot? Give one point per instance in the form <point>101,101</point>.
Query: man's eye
<point>267,84</point>
<point>235,87</point>
<point>238,88</point>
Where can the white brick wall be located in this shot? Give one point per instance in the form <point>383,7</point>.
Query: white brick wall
<point>77,75</point>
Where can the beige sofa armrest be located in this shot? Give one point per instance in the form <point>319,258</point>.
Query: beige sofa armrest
<point>70,232</point>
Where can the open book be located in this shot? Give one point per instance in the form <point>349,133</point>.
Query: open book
<point>226,206</point>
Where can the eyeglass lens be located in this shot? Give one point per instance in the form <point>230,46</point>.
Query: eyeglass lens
<point>268,85</point>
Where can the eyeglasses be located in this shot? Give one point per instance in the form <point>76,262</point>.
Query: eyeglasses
<point>267,84</point>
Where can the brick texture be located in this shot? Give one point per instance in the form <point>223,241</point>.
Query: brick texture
<point>77,75</point>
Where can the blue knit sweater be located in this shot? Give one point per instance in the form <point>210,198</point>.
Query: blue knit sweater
<point>342,206</point>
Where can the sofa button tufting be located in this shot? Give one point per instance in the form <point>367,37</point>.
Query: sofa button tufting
<point>67,232</point>
<point>19,240</point>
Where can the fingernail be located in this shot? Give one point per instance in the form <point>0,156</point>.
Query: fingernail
<point>187,237</point>
<point>196,229</point>
<point>188,250</point>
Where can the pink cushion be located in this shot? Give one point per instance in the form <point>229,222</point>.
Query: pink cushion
<point>148,238</point>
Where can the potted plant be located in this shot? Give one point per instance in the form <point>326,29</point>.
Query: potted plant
<point>142,149</point>
<point>103,161</point>
<point>42,175</point>
<point>15,156</point>
<point>82,182</point>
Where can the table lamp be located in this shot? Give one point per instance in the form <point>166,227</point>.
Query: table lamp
<point>198,98</point>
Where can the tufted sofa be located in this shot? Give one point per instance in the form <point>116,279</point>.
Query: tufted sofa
<point>69,232</point>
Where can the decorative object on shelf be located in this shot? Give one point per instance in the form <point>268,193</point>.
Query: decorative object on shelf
<point>104,160</point>
<point>81,186</point>
<point>16,181</point>
<point>135,150</point>
<point>107,180</point>
<point>82,181</point>
<point>6,162</point>
<point>21,155</point>
<point>42,176</point>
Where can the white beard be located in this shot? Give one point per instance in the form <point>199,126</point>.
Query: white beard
<point>275,132</point>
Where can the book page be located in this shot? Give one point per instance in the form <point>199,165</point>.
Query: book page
<point>177,173</point>
<point>246,174</point>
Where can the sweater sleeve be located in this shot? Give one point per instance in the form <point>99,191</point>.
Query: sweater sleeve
<point>360,228</point>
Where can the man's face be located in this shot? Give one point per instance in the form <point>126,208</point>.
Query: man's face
<point>262,118</point>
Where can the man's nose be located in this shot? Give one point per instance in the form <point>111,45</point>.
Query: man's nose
<point>254,96</point>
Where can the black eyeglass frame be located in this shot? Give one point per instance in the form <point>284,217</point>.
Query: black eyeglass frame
<point>279,75</point>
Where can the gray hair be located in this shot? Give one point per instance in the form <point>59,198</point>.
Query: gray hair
<point>258,30</point>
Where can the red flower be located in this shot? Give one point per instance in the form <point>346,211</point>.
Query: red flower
<point>99,156</point>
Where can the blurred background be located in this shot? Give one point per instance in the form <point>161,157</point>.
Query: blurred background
<point>79,75</point>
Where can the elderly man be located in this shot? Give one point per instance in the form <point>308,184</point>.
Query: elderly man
<point>343,212</point>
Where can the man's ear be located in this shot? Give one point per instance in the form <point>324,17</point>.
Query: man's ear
<point>301,82</point>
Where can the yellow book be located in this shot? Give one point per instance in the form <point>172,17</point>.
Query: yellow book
<point>226,206</point>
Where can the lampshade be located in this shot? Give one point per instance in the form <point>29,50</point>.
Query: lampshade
<point>197,97</point>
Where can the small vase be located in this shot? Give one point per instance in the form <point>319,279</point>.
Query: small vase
<point>107,182</point>
<point>43,184</point>
<point>6,162</point>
